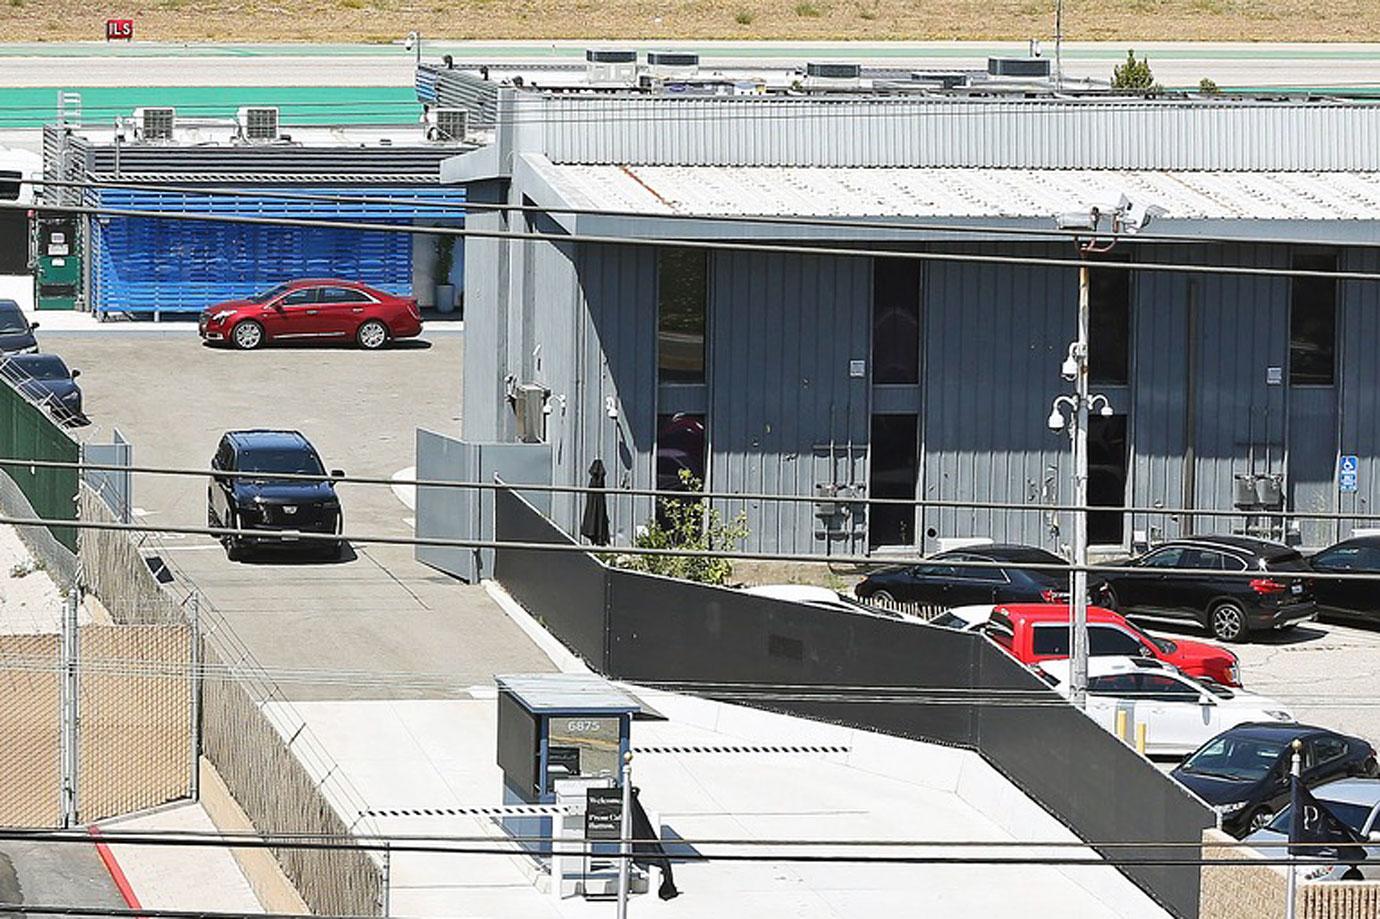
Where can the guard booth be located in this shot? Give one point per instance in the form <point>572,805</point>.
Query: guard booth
<point>561,742</point>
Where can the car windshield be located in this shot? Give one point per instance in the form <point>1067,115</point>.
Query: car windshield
<point>1235,757</point>
<point>289,460</point>
<point>1353,815</point>
<point>43,367</point>
<point>949,621</point>
<point>1286,560</point>
<point>269,294</point>
<point>12,320</point>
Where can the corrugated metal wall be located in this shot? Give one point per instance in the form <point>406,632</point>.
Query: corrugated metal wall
<point>761,131</point>
<point>784,413</point>
<point>994,338</point>
<point>143,265</point>
<point>783,330</point>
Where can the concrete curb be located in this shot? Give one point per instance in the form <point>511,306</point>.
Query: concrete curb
<point>117,874</point>
<point>566,661</point>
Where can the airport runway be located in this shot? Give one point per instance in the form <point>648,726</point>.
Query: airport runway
<point>150,64</point>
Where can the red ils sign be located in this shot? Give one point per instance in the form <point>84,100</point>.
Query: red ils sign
<point>116,29</point>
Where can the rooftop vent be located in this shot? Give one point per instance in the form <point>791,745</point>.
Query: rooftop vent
<point>611,65</point>
<point>833,76</point>
<point>258,123</point>
<point>154,123</point>
<point>1027,68</point>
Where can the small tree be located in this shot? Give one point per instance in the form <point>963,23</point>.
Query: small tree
<point>687,523</point>
<point>1207,87</point>
<point>1134,75</point>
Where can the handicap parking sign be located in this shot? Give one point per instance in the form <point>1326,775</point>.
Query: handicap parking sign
<point>1347,473</point>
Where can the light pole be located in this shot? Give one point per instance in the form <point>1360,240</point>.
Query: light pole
<point>1124,217</point>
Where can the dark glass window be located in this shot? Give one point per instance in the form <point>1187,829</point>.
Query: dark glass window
<point>1107,458</point>
<point>682,304</point>
<point>1104,640</point>
<point>1109,326</point>
<point>1313,323</point>
<point>894,454</point>
<point>343,295</point>
<point>681,449</point>
<point>895,320</point>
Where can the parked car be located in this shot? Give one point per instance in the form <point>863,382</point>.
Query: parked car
<point>1179,712</point>
<point>1036,632</point>
<point>320,309</point>
<point>1355,802</point>
<point>1348,599</point>
<point>1243,773</point>
<point>822,597</point>
<point>1275,597</point>
<point>244,495</point>
<point>939,583</point>
<point>16,331</point>
<point>964,618</point>
<point>46,379</point>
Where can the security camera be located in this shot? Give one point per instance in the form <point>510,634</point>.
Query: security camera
<point>1076,220</point>
<point>1069,369</point>
<point>1112,203</point>
<point>1055,420</point>
<point>1140,215</point>
<point>410,41</point>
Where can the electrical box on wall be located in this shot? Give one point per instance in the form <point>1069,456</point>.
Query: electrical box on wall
<point>529,404</point>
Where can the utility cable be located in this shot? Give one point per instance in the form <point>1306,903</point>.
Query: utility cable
<point>678,243</point>
<point>679,495</point>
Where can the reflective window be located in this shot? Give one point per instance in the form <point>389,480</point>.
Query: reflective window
<point>1349,558</point>
<point>682,305</point>
<point>1114,684</point>
<point>343,295</point>
<point>1165,558</point>
<point>1313,323</point>
<point>681,451</point>
<point>1164,688</point>
<point>894,458</point>
<point>1323,750</point>
<point>1104,640</point>
<point>895,320</point>
<point>1050,639</point>
<point>299,297</point>
<point>1109,325</point>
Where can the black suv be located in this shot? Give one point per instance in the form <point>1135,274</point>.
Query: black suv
<point>1274,596</point>
<point>244,495</point>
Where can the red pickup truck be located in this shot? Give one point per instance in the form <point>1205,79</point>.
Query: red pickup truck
<point>1034,632</point>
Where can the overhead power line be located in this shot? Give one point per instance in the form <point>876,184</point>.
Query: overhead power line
<point>296,536</point>
<point>874,223</point>
<point>677,243</point>
<point>675,495</point>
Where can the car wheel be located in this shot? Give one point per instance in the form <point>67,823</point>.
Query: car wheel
<point>1369,769</point>
<point>1227,622</point>
<point>234,548</point>
<point>372,335</point>
<point>247,335</point>
<point>882,597</point>
<point>1109,599</point>
<point>1261,818</point>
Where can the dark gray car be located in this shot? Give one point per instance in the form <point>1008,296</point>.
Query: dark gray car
<point>45,379</point>
<point>16,332</point>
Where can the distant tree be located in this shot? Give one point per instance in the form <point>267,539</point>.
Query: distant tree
<point>1207,87</point>
<point>1134,75</point>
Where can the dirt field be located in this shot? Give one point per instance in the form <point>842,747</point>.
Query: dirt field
<point>384,20</point>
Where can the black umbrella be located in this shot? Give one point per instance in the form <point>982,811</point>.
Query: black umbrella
<point>595,525</point>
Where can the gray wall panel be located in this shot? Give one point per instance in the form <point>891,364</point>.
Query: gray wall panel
<point>784,329</point>
<point>995,337</point>
<point>1358,328</point>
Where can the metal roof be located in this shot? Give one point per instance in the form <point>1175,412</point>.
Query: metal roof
<point>545,693</point>
<point>959,193</point>
<point>266,178</point>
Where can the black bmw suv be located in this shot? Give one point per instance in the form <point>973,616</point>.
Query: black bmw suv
<point>244,495</point>
<point>1229,585</point>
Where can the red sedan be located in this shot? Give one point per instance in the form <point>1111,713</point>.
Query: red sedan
<point>323,309</point>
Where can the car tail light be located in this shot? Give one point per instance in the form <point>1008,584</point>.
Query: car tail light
<point>1267,586</point>
<point>412,308</point>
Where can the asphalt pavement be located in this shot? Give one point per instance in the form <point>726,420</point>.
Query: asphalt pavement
<point>379,611</point>
<point>55,874</point>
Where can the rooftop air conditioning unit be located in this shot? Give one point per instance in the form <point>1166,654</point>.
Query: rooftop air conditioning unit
<point>1024,68</point>
<point>833,76</point>
<point>614,66</point>
<point>258,123</point>
<point>673,65</point>
<point>154,123</point>
<point>447,123</point>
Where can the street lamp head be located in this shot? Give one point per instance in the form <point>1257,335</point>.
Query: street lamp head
<point>1076,220</point>
<point>410,41</point>
<point>1056,419</point>
<point>1105,411</point>
<point>1069,369</point>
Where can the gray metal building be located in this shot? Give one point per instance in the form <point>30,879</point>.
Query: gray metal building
<point>841,376</point>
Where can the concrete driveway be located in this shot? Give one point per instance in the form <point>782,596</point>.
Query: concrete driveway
<point>378,612</point>
<point>55,874</point>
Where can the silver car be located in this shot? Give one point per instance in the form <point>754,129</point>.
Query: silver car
<point>1356,802</point>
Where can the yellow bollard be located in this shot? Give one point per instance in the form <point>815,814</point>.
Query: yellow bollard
<point>1140,738</point>
<point>1121,725</point>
